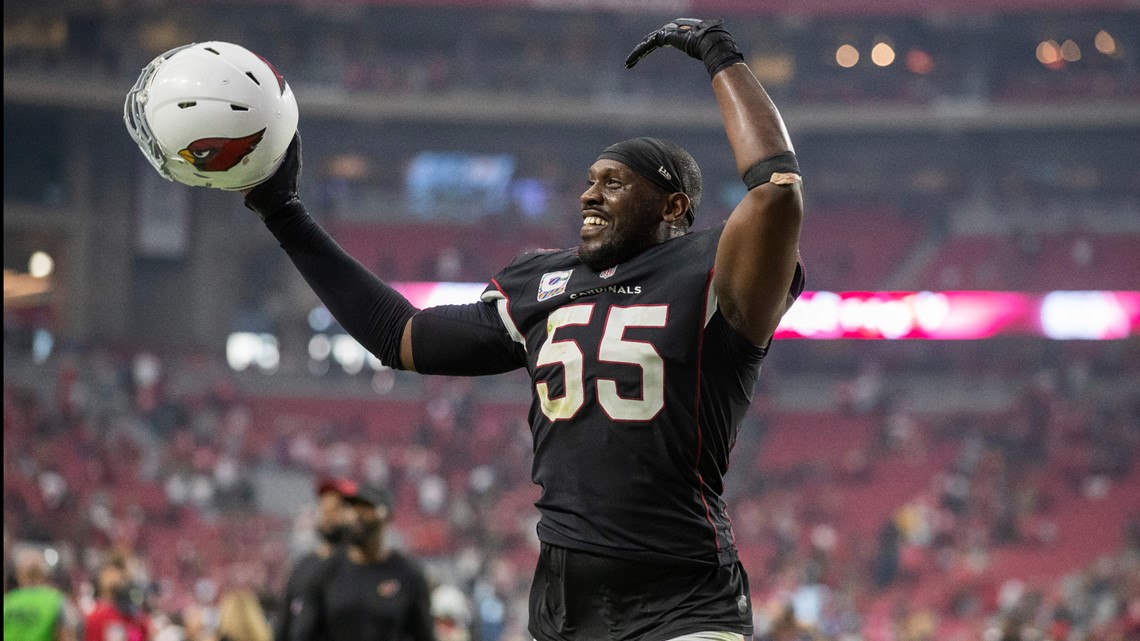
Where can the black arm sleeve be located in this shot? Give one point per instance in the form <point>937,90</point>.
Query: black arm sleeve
<point>464,340</point>
<point>369,310</point>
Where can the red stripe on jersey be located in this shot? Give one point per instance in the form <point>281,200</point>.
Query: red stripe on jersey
<point>500,288</point>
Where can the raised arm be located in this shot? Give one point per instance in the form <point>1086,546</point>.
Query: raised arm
<point>756,258</point>
<point>461,340</point>
<point>370,310</point>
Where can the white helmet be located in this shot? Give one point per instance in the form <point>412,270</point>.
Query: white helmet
<point>212,114</point>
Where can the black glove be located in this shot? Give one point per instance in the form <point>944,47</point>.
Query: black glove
<point>278,191</point>
<point>705,40</point>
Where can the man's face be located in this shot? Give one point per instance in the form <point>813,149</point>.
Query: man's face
<point>621,215</point>
<point>362,521</point>
<point>112,581</point>
<point>330,515</point>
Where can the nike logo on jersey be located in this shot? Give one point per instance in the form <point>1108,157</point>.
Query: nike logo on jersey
<point>553,284</point>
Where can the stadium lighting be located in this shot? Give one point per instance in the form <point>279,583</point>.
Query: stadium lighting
<point>1049,54</point>
<point>320,320</point>
<point>246,349</point>
<point>348,353</point>
<point>846,56</point>
<point>1070,51</point>
<point>1083,315</point>
<point>40,265</point>
<point>1106,44</point>
<point>883,54</point>
<point>918,61</point>
<point>912,315</point>
<point>320,347</point>
<point>922,315</point>
<point>42,344</point>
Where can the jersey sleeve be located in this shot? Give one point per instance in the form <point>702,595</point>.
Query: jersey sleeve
<point>477,338</point>
<point>463,340</point>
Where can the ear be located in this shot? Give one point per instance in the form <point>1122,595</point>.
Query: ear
<point>677,203</point>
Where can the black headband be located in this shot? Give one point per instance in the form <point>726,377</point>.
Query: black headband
<point>648,158</point>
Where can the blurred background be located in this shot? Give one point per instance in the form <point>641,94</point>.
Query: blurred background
<point>172,389</point>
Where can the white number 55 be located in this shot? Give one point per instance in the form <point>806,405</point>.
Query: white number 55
<point>614,348</point>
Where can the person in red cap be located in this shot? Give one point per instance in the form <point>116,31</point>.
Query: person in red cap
<point>371,592</point>
<point>307,569</point>
<point>118,612</point>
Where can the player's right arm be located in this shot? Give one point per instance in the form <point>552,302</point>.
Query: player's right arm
<point>455,340</point>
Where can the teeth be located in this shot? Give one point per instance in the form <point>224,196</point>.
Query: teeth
<point>594,220</point>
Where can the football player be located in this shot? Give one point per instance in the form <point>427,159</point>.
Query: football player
<point>643,345</point>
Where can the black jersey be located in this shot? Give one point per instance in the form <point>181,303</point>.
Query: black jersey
<point>384,601</point>
<point>306,572</point>
<point>639,387</point>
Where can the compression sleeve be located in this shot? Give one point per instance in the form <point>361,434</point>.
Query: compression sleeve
<point>464,340</point>
<point>369,310</point>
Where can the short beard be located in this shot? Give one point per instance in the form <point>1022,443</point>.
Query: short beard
<point>361,535</point>
<point>618,248</point>
<point>603,257</point>
<point>333,536</point>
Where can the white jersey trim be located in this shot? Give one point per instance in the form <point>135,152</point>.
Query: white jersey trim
<point>504,314</point>
<point>710,636</point>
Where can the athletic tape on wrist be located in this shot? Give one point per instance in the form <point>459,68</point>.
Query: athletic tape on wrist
<point>722,59</point>
<point>781,169</point>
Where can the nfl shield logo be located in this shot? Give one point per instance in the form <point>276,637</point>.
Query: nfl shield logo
<point>553,284</point>
<point>609,272</point>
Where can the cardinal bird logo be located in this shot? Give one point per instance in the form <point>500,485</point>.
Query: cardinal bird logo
<point>220,154</point>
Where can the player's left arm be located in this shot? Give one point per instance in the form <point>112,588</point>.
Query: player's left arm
<point>756,259</point>
<point>759,248</point>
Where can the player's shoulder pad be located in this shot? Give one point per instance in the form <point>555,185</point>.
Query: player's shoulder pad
<point>534,255</point>
<point>524,268</point>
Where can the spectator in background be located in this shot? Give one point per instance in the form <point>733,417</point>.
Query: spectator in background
<point>35,611</point>
<point>118,613</point>
<point>306,571</point>
<point>242,619</point>
<point>451,612</point>
<point>785,628</point>
<point>372,592</point>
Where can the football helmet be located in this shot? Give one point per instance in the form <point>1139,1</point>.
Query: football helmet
<point>212,114</point>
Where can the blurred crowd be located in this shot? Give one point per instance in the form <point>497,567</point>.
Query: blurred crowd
<point>132,484</point>
<point>146,488</point>
<point>568,53</point>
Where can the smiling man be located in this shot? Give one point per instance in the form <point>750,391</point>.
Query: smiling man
<point>643,345</point>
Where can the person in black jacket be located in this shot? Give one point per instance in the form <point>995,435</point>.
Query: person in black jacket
<point>330,530</point>
<point>371,592</point>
